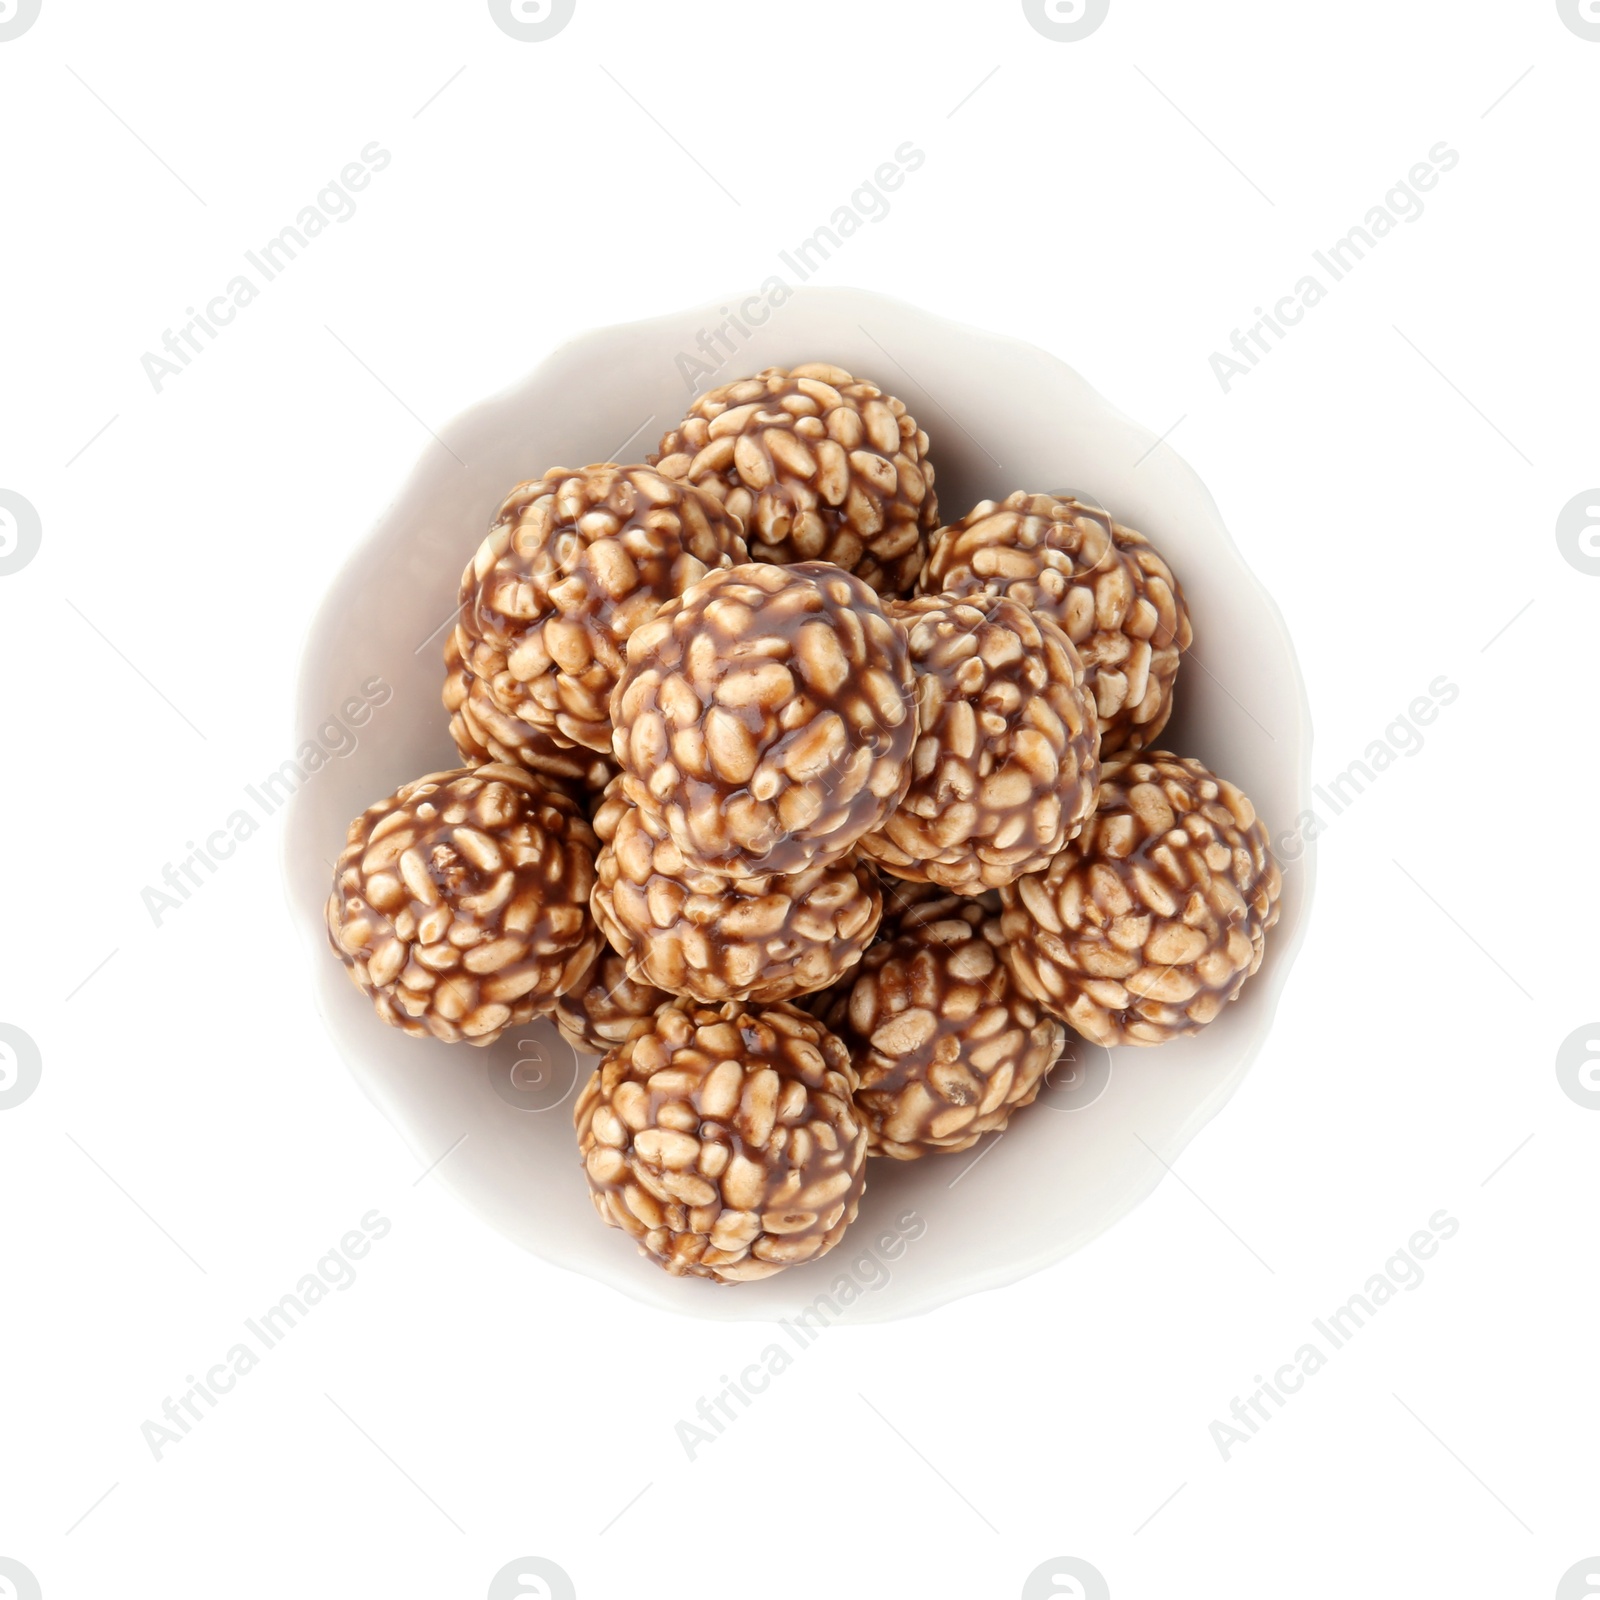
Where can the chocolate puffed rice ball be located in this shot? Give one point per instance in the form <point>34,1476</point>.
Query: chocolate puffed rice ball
<point>574,562</point>
<point>723,1139</point>
<point>604,1006</point>
<point>764,720</point>
<point>1007,755</point>
<point>460,904</point>
<point>818,466</point>
<point>713,938</point>
<point>946,1044</point>
<point>1104,585</point>
<point>483,733</point>
<point>1150,921</point>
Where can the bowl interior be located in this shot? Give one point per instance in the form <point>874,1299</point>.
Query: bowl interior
<point>1001,415</point>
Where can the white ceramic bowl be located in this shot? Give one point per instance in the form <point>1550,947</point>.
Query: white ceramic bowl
<point>1002,415</point>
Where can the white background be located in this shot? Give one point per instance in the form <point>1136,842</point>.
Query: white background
<point>1394,472</point>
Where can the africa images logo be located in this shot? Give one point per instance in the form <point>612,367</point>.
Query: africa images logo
<point>1067,1578</point>
<point>1582,16</point>
<point>532,21</point>
<point>531,1578</point>
<point>21,533</point>
<point>1066,21</point>
<point>1578,532</point>
<point>20,1066</point>
<point>1578,1068</point>
<point>16,17</point>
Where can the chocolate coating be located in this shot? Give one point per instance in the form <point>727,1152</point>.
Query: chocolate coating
<point>485,734</point>
<point>715,938</point>
<point>723,1140</point>
<point>1151,920</point>
<point>818,466</point>
<point>460,902</point>
<point>1105,585</point>
<point>765,719</point>
<point>604,1006</point>
<point>1007,755</point>
<point>573,563</point>
<point>945,1043</point>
